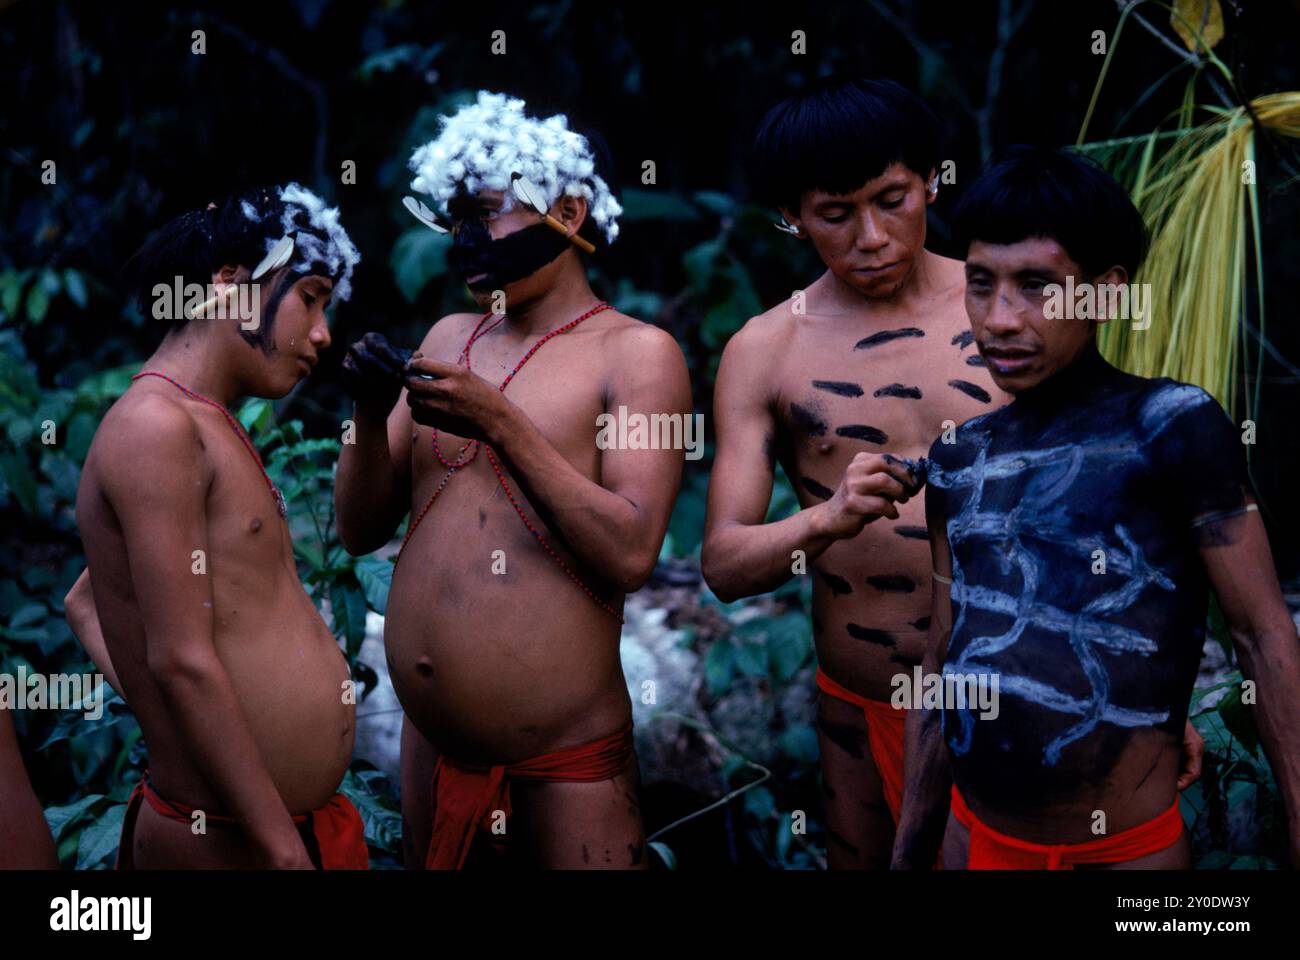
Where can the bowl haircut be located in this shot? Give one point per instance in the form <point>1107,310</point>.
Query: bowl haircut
<point>1056,194</point>
<point>839,134</point>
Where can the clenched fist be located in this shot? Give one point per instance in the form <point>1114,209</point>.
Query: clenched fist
<point>871,485</point>
<point>373,371</point>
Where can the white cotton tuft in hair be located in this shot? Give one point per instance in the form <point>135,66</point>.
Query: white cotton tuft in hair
<point>306,214</point>
<point>249,211</point>
<point>482,144</point>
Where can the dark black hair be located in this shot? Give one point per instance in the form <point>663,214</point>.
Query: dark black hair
<point>196,244</point>
<point>1058,194</point>
<point>837,135</point>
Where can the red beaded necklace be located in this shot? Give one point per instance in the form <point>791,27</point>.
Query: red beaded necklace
<point>234,425</point>
<point>470,450</point>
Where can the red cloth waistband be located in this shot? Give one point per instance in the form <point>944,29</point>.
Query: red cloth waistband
<point>884,737</point>
<point>465,798</point>
<point>992,850</point>
<point>337,826</point>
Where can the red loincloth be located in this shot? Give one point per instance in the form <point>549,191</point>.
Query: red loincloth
<point>465,798</point>
<point>991,850</point>
<point>884,736</point>
<point>337,827</point>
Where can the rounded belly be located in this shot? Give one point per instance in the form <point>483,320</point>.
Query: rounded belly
<point>290,680</point>
<point>497,668</point>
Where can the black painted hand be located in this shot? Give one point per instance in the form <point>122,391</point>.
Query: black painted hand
<point>373,372</point>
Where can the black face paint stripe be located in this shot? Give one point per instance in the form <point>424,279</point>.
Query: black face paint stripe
<point>913,533</point>
<point>893,583</point>
<point>898,390</point>
<point>860,431</point>
<point>807,422</point>
<point>816,489</point>
<point>841,388</point>
<point>876,339</point>
<point>971,390</point>
<point>964,339</point>
<point>839,586</point>
<point>870,635</point>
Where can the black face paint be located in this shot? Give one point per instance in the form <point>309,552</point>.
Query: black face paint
<point>473,253</point>
<point>898,390</point>
<point>816,489</point>
<point>893,583</point>
<point>860,431</point>
<point>262,336</point>
<point>840,388</point>
<point>839,586</point>
<point>971,390</point>
<point>870,635</point>
<point>876,339</point>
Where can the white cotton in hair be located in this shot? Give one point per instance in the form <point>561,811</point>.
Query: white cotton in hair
<point>482,144</point>
<point>304,212</point>
<point>250,211</point>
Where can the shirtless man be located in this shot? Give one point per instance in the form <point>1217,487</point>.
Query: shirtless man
<point>504,615</point>
<point>1075,535</point>
<point>237,683</point>
<point>869,360</point>
<point>866,366</point>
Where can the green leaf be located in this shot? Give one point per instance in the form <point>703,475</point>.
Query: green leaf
<point>382,818</point>
<point>38,302</point>
<point>17,475</point>
<point>751,659</point>
<point>799,742</point>
<point>419,256</point>
<point>97,845</point>
<point>75,287</point>
<point>719,666</point>
<point>348,603</point>
<point>376,577</point>
<point>61,819</point>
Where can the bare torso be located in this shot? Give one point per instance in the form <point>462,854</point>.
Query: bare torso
<point>286,668</point>
<point>857,383</point>
<point>502,666</point>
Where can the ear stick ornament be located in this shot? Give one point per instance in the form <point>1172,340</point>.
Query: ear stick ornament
<point>274,260</point>
<point>785,226</point>
<point>426,216</point>
<point>531,197</point>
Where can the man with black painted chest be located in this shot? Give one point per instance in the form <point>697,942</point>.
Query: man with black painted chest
<point>1076,534</point>
<point>838,383</point>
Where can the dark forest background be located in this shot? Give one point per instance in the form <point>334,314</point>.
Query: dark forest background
<point>142,129</point>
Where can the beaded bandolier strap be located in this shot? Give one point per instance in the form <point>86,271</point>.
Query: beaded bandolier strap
<point>234,425</point>
<point>470,450</point>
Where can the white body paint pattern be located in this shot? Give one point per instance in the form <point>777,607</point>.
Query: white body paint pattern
<point>1045,477</point>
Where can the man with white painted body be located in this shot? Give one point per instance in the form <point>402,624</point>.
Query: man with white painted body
<point>1075,536</point>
